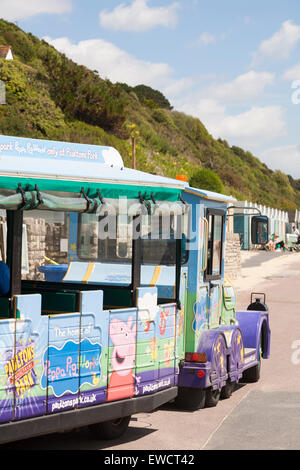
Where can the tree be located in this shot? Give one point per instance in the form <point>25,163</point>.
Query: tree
<point>151,97</point>
<point>206,179</point>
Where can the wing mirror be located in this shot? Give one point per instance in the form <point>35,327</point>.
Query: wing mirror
<point>259,230</point>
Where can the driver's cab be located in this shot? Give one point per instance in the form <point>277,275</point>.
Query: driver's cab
<point>211,297</point>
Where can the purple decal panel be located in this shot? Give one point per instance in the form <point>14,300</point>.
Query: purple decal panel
<point>31,406</point>
<point>21,347</point>
<point>28,399</point>
<point>92,397</point>
<point>7,337</point>
<point>6,411</point>
<point>71,401</point>
<point>30,341</point>
<point>64,403</point>
<point>145,385</point>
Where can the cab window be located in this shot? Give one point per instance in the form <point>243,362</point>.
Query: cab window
<point>215,243</point>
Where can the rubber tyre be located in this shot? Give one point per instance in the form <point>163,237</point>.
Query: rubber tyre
<point>227,391</point>
<point>212,397</point>
<point>190,399</point>
<point>253,374</point>
<point>111,429</point>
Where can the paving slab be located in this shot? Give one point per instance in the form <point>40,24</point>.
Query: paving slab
<point>262,421</point>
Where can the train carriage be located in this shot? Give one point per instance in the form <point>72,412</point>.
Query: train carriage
<point>113,296</point>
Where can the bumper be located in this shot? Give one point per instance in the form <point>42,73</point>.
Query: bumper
<point>66,421</point>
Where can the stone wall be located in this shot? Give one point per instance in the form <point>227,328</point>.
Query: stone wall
<point>232,256</point>
<point>36,243</point>
<point>43,240</point>
<point>55,232</point>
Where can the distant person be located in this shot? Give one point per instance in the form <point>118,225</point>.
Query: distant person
<point>296,232</point>
<point>270,246</point>
<point>279,244</point>
<point>4,278</point>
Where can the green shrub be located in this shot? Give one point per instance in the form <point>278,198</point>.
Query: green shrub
<point>163,117</point>
<point>150,97</point>
<point>13,75</point>
<point>206,179</point>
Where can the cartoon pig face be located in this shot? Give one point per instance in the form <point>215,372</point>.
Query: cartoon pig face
<point>123,336</point>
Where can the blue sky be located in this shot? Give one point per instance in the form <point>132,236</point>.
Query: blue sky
<point>233,64</point>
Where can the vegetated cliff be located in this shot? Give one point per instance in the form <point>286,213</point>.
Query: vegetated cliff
<point>48,96</point>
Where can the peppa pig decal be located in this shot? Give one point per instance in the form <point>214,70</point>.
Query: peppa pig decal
<point>147,306</point>
<point>123,337</point>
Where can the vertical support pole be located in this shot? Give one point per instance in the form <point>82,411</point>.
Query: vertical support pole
<point>136,256</point>
<point>14,250</point>
<point>178,260</point>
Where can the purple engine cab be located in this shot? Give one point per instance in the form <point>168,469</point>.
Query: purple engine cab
<point>113,295</point>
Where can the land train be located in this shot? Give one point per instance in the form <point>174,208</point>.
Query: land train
<point>114,299</point>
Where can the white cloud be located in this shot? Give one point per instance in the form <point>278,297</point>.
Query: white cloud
<point>139,16</point>
<point>206,38</point>
<point>248,20</point>
<point>119,66</point>
<point>112,62</point>
<point>250,128</point>
<point>292,73</point>
<point>286,158</point>
<point>245,87</point>
<point>207,110</point>
<point>175,87</point>
<point>13,10</point>
<point>280,45</point>
<point>253,127</point>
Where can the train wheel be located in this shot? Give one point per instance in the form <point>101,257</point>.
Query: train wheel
<point>227,391</point>
<point>212,397</point>
<point>190,398</point>
<point>111,429</point>
<point>218,369</point>
<point>253,374</point>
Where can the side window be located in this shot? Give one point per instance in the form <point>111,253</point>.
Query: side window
<point>215,243</point>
